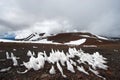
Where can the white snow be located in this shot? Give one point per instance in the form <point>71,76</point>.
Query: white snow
<point>52,70</point>
<point>7,55</point>
<point>94,60</point>
<point>72,62</point>
<point>13,58</point>
<point>70,67</point>
<point>5,40</point>
<point>29,53</point>
<point>35,37</point>
<point>43,41</point>
<point>84,35</point>
<point>96,73</point>
<point>82,70</point>
<point>100,37</point>
<point>59,58</point>
<point>22,72</point>
<point>22,34</point>
<point>14,49</point>
<point>5,69</point>
<point>76,42</point>
<point>35,47</point>
<point>35,63</point>
<point>60,69</point>
<point>99,60</point>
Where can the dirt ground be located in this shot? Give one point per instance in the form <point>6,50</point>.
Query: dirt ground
<point>109,51</point>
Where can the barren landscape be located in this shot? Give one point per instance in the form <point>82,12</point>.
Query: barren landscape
<point>108,49</point>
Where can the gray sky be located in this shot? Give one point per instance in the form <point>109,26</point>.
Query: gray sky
<point>97,16</point>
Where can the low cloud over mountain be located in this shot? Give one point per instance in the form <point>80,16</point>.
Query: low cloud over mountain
<point>51,16</point>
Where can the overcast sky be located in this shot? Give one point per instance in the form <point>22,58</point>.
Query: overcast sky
<point>97,16</point>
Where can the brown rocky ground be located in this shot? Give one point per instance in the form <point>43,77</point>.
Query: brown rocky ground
<point>109,49</point>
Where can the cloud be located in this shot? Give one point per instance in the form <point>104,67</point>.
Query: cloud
<point>97,16</point>
<point>51,26</point>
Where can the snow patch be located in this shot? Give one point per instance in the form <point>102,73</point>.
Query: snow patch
<point>35,37</point>
<point>52,70</point>
<point>22,34</point>
<point>70,67</point>
<point>60,69</point>
<point>94,60</point>
<point>100,37</point>
<point>76,42</point>
<point>5,69</point>
<point>35,47</point>
<point>82,70</point>
<point>14,49</point>
<point>13,58</point>
<point>35,63</point>
<point>22,72</point>
<point>6,40</point>
<point>85,36</point>
<point>43,41</point>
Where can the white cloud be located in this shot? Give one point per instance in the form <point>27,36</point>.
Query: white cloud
<point>98,16</point>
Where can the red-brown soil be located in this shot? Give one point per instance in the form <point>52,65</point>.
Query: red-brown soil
<point>109,49</point>
<point>67,37</point>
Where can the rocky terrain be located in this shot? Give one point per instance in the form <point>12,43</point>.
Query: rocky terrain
<point>14,55</point>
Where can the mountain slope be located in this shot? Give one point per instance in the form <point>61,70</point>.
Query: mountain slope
<point>63,38</point>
